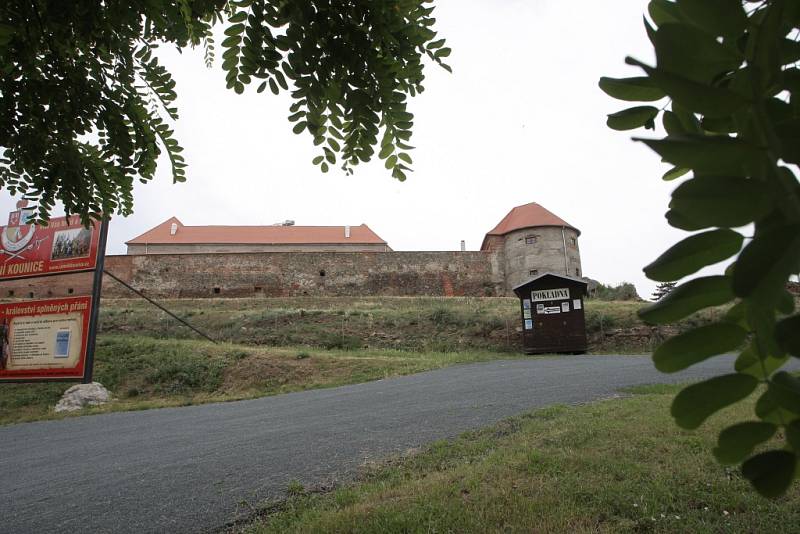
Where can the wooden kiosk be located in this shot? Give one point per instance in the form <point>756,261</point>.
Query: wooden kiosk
<point>552,314</point>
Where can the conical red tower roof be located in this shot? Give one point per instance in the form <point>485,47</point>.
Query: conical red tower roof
<point>528,216</point>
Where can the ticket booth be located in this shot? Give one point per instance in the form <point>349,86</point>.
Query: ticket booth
<point>552,314</point>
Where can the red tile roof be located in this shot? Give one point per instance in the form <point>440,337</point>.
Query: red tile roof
<point>528,216</point>
<point>278,235</point>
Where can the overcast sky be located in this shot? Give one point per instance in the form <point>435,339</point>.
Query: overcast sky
<point>520,120</point>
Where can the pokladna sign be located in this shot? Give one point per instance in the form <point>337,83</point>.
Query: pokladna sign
<point>44,339</point>
<point>540,295</point>
<point>63,246</point>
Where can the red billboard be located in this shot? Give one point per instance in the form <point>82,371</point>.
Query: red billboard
<point>44,339</point>
<point>63,246</point>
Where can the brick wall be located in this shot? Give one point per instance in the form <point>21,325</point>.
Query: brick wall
<point>284,274</point>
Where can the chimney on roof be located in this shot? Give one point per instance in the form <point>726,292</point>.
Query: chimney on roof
<point>463,246</point>
<point>288,222</point>
<point>173,229</point>
<point>347,231</point>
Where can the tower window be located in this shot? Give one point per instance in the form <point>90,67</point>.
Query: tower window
<point>533,272</point>
<point>573,241</point>
<point>577,272</point>
<point>530,239</point>
<point>322,272</point>
<point>216,291</point>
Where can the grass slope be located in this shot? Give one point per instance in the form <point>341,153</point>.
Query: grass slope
<point>403,323</point>
<point>269,346</point>
<point>143,372</point>
<point>611,466</point>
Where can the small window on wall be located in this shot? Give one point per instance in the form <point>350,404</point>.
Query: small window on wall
<point>322,272</point>
<point>258,289</point>
<point>70,291</point>
<point>10,292</point>
<point>573,241</point>
<point>534,272</point>
<point>530,239</point>
<point>216,291</point>
<point>577,272</point>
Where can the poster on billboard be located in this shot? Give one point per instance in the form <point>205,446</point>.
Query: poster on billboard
<point>44,339</point>
<point>63,246</point>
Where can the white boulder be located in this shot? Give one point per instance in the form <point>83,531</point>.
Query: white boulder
<point>83,395</point>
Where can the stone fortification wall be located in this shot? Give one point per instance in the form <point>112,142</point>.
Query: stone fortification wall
<point>532,251</point>
<point>281,274</point>
<point>136,249</point>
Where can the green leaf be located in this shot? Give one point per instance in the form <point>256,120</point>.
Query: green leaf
<point>694,253</point>
<point>749,363</point>
<point>240,16</point>
<point>765,264</point>
<point>236,29</point>
<point>386,151</point>
<point>770,472</point>
<point>768,410</point>
<point>785,390</point>
<point>737,442</point>
<point>693,54</point>
<point>663,12</point>
<point>324,167</point>
<point>696,403</point>
<point>678,220</point>
<point>317,160</point>
<point>636,89</point>
<point>299,127</point>
<point>273,86</point>
<point>787,332</point>
<point>688,298</point>
<point>674,173</point>
<point>631,118</point>
<point>695,96</point>
<point>686,349</point>
<point>726,201</point>
<point>720,155</point>
<point>391,161</point>
<point>719,17</point>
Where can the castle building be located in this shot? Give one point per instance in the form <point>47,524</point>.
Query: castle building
<point>175,261</point>
<point>173,237</point>
<point>530,241</point>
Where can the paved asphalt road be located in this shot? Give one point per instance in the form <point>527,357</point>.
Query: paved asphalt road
<point>196,468</point>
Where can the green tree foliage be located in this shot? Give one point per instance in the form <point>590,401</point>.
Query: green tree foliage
<point>621,291</point>
<point>727,85</point>
<point>663,289</point>
<point>86,108</point>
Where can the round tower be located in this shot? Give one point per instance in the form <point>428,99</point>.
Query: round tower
<point>530,241</point>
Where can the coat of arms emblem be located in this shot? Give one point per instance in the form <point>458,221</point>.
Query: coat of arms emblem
<point>17,236</point>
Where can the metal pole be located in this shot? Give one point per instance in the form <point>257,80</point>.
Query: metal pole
<point>97,286</point>
<point>160,307</point>
<point>564,240</point>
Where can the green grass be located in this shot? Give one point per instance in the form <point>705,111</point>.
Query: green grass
<point>403,323</point>
<point>612,466</point>
<point>143,372</point>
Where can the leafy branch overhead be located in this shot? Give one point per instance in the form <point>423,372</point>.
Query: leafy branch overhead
<point>86,109</point>
<point>726,86</point>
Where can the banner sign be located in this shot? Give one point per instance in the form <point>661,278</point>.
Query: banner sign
<point>44,339</point>
<point>63,246</point>
<point>550,294</point>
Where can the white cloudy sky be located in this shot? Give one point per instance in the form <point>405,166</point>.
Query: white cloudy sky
<point>521,119</point>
